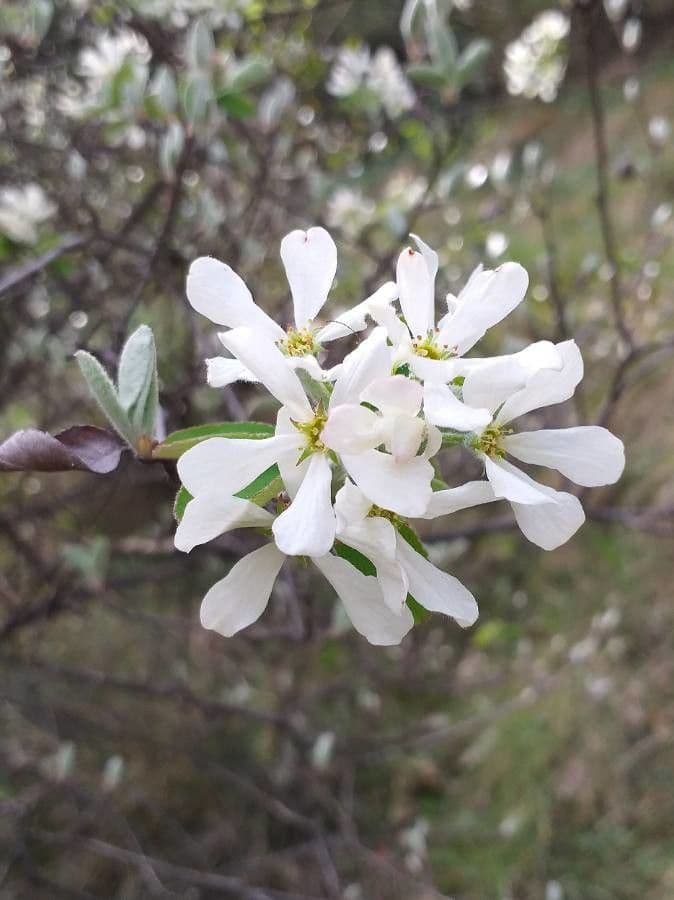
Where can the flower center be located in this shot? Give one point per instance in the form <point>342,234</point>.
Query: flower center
<point>489,442</point>
<point>300,342</point>
<point>311,431</point>
<point>429,348</point>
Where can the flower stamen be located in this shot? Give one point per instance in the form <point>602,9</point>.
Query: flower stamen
<point>311,430</point>
<point>299,342</point>
<point>429,348</point>
<point>489,442</point>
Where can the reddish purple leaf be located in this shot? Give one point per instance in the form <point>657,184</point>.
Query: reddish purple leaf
<point>83,447</point>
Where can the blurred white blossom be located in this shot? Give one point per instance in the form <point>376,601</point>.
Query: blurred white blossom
<point>535,63</point>
<point>349,210</point>
<point>22,210</point>
<point>356,68</point>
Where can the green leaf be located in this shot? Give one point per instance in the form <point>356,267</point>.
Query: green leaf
<point>428,75</point>
<point>183,497</point>
<point>236,105</point>
<point>104,393</point>
<point>356,558</point>
<point>367,567</point>
<point>260,491</point>
<point>137,380</point>
<point>171,145</point>
<point>452,438</point>
<point>419,614</point>
<point>252,72</point>
<point>439,484</point>
<point>264,487</point>
<point>179,441</point>
<point>199,45</point>
<point>473,58</point>
<point>197,93</point>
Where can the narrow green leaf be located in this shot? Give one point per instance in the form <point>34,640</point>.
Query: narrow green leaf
<point>261,490</point>
<point>179,441</point>
<point>452,438</point>
<point>183,497</point>
<point>419,614</point>
<point>250,73</point>
<point>367,567</point>
<point>473,58</point>
<point>104,393</point>
<point>356,558</point>
<point>428,75</point>
<point>236,105</point>
<point>199,45</point>
<point>264,487</point>
<point>137,380</point>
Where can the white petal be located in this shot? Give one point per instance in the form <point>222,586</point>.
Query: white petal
<point>442,407</point>
<point>210,515</point>
<point>371,359</point>
<point>364,603</point>
<point>511,484</point>
<point>403,487</point>
<point>307,527</point>
<point>310,365</point>
<point>269,365</point>
<point>488,382</point>
<point>394,393</point>
<point>310,261</point>
<point>221,371</point>
<point>546,386</point>
<point>473,493</point>
<point>227,465</point>
<point>352,429</point>
<point>355,319</point>
<point>434,589</point>
<point>291,471</point>
<point>429,255</point>
<point>486,300</point>
<point>351,505</point>
<point>438,371</point>
<point>416,286</point>
<point>433,441</point>
<point>404,436</point>
<point>549,525</point>
<point>242,596</point>
<point>375,538</point>
<point>217,292</point>
<point>588,455</point>
<point>385,315</point>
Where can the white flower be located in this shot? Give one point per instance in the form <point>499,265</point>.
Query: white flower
<point>399,568</point>
<point>387,81</point>
<point>399,479</point>
<point>380,73</point>
<point>588,455</point>
<point>310,262</point>
<point>348,71</point>
<point>433,353</point>
<point>242,596</point>
<point>349,210</point>
<point>300,447</point>
<point>106,57</point>
<point>22,210</point>
<point>534,64</point>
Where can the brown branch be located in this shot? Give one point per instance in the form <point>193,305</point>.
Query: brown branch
<point>17,276</point>
<point>591,10</point>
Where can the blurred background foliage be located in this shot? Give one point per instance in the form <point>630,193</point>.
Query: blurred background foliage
<point>530,757</point>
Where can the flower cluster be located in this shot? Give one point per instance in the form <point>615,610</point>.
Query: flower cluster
<point>354,445</point>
